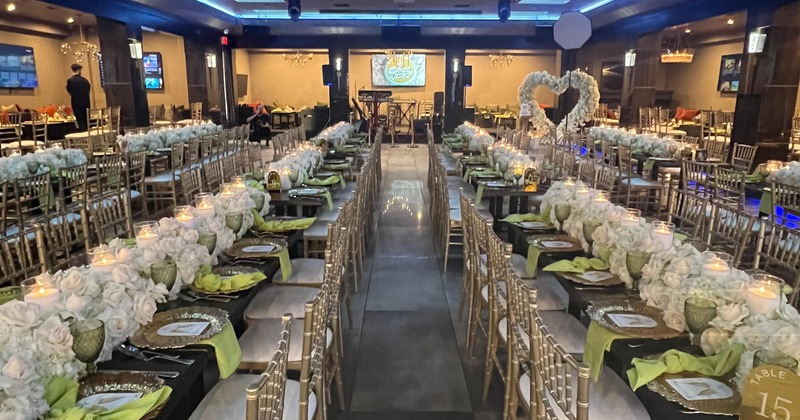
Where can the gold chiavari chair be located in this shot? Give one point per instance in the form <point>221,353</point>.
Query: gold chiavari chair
<point>778,253</point>
<point>162,188</point>
<point>794,139</point>
<point>265,398</point>
<point>28,200</point>
<point>39,128</point>
<point>114,119</point>
<point>197,112</point>
<point>728,186</point>
<point>137,170</point>
<point>607,178</point>
<point>153,111</point>
<point>212,173</point>
<point>717,150</point>
<point>743,156</point>
<point>228,168</point>
<point>22,256</point>
<point>787,197</point>
<point>688,212</point>
<point>452,232</point>
<point>67,239</point>
<point>193,153</point>
<point>729,231</point>
<point>607,154</point>
<point>255,157</point>
<point>499,261</point>
<point>82,143</point>
<point>111,175</point>
<point>241,162</point>
<point>706,125</point>
<point>692,141</point>
<point>695,177</point>
<point>206,149</point>
<point>11,131</point>
<point>191,184</point>
<point>587,170</point>
<point>639,192</point>
<point>73,188</point>
<point>98,120</point>
<point>110,216</point>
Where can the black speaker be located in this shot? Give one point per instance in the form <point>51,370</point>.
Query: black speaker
<point>466,76</point>
<point>438,103</point>
<point>328,75</point>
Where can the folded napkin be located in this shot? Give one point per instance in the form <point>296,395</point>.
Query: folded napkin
<point>598,342</point>
<point>208,281</point>
<point>286,264</point>
<point>755,178</point>
<point>675,361</point>
<point>331,180</point>
<point>227,350</point>
<point>532,263</point>
<point>648,164</point>
<point>472,172</point>
<point>527,217</point>
<point>61,395</point>
<point>479,194</point>
<point>277,226</point>
<point>578,265</point>
<point>328,199</point>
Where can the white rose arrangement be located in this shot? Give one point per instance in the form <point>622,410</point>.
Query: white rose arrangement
<point>788,174</point>
<point>650,145</point>
<point>336,135</point>
<point>580,115</point>
<point>160,138</point>
<point>476,138</point>
<point>51,159</point>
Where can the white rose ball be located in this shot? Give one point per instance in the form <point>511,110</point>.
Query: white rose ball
<point>19,314</point>
<point>729,316</point>
<point>713,340</point>
<point>787,341</point>
<point>76,304</point>
<point>54,337</point>
<point>681,267</point>
<point>675,320</point>
<point>77,282</point>
<point>143,308</point>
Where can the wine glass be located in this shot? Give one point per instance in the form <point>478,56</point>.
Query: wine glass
<point>699,312</point>
<point>165,272</point>
<point>209,240</point>
<point>635,262</point>
<point>88,337</point>
<point>234,220</point>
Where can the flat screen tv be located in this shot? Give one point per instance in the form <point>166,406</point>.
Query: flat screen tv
<point>399,70</point>
<point>17,67</point>
<point>153,71</point>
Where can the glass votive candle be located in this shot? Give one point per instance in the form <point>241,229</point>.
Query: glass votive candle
<point>183,214</point>
<point>718,264</point>
<point>766,357</point>
<point>600,196</point>
<point>583,192</point>
<point>40,290</point>
<point>102,258</point>
<point>632,218</point>
<point>234,220</point>
<point>238,182</point>
<point>146,233</point>
<point>764,294</point>
<point>226,190</point>
<point>204,205</point>
<point>663,234</point>
<point>569,181</point>
<point>209,240</point>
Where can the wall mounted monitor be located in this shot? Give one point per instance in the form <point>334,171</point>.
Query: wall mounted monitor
<point>398,70</point>
<point>17,67</point>
<point>153,71</point>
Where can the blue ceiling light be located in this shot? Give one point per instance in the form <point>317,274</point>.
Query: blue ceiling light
<point>221,8</point>
<point>517,16</point>
<point>504,10</point>
<point>590,7</point>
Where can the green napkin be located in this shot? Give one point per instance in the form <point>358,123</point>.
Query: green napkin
<point>479,194</point>
<point>578,265</point>
<point>286,264</point>
<point>754,178</point>
<point>604,253</point>
<point>765,207</point>
<point>327,195</point>
<point>227,349</point>
<point>336,166</point>
<point>252,183</point>
<point>61,395</point>
<point>533,260</point>
<point>675,361</point>
<point>276,226</point>
<point>472,172</point>
<point>208,281</point>
<point>331,180</point>
<point>598,342</point>
<point>527,217</point>
<point>680,237</point>
<point>648,165</point>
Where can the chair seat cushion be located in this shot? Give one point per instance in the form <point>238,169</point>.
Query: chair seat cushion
<point>455,215</point>
<point>609,398</point>
<point>317,231</point>
<point>70,217</point>
<point>549,297</point>
<point>568,332</point>
<point>13,230</point>
<point>228,400</point>
<point>304,271</point>
<point>518,263</point>
<point>261,338</point>
<point>161,178</point>
<point>135,194</point>
<point>637,182</point>
<point>328,215</point>
<point>275,301</point>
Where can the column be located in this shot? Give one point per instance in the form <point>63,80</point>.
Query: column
<point>453,89</point>
<point>645,73</point>
<point>124,86</point>
<point>339,92</point>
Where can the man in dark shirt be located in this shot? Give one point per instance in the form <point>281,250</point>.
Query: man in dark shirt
<point>260,123</point>
<point>79,88</point>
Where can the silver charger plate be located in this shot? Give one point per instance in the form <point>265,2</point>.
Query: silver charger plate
<point>306,192</point>
<point>147,336</point>
<point>600,314</point>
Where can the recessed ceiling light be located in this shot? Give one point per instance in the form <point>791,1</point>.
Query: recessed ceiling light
<point>70,20</point>
<point>11,7</point>
<point>730,22</point>
<point>688,31</point>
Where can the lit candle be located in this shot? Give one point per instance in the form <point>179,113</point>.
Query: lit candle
<point>570,181</point>
<point>40,291</point>
<point>226,190</point>
<point>582,193</point>
<point>146,233</point>
<point>518,169</point>
<point>103,259</point>
<point>773,165</point>
<point>718,265</point>
<point>764,294</point>
<point>632,219</point>
<point>600,196</point>
<point>16,152</point>
<point>238,183</point>
<point>286,181</point>
<point>204,205</point>
<point>183,214</point>
<point>663,234</point>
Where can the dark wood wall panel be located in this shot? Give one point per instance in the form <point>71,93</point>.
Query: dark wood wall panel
<point>196,72</point>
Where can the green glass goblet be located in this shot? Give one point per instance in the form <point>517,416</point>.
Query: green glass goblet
<point>635,262</point>
<point>588,230</point>
<point>88,337</point>
<point>562,212</point>
<point>770,357</point>
<point>259,200</point>
<point>699,312</point>
<point>209,240</point>
<point>234,220</point>
<point>164,272</point>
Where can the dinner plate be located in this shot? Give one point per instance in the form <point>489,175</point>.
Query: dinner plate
<point>148,335</point>
<point>324,174</point>
<point>556,244</point>
<point>593,278</point>
<point>701,394</point>
<point>110,390</point>
<point>255,248</point>
<point>334,161</point>
<point>609,317</point>
<point>227,272</point>
<point>164,149</point>
<point>534,225</point>
<point>306,192</point>
<point>496,184</point>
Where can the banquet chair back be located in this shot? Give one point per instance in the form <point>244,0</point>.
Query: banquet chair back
<point>228,168</point>
<point>587,170</point>
<point>691,140</point>
<point>82,143</point>
<point>695,177</point>
<point>729,186</point>
<point>778,253</point>
<point>498,265</point>
<point>743,156</point>
<point>110,176</point>
<point>265,398</point>
<point>241,161</point>
<point>153,111</point>
<point>313,353</point>
<point>73,188</point>
<point>98,118</point>
<point>787,197</point>
<point>206,149</point>
<point>39,128</point>
<point>197,111</point>
<point>22,256</point>
<point>31,198</point>
<point>110,216</point>
<point>688,212</point>
<point>212,172</point>
<point>625,161</point>
<point>193,152</point>
<point>706,124</point>
<point>607,154</point>
<point>717,150</point>
<point>114,119</point>
<point>66,236</point>
<point>191,184</point>
<point>606,178</point>
<point>729,231</point>
<point>255,157</point>
<point>12,133</point>
<point>136,164</point>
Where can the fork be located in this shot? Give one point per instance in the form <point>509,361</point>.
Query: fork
<point>195,298</point>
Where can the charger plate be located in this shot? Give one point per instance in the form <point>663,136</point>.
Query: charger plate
<point>612,281</point>
<point>147,335</point>
<point>306,191</point>
<point>541,242</point>
<point>600,314</point>
<point>255,248</point>
<point>101,383</point>
<point>725,406</point>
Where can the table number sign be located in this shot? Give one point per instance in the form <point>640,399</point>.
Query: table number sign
<point>771,392</point>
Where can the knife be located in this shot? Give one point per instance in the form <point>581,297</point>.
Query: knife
<point>169,374</point>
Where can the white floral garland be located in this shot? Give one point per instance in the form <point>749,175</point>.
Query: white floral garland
<point>476,138</point>
<point>39,162</point>
<point>788,174</point>
<point>301,163</point>
<point>647,144</point>
<point>165,137</point>
<point>336,135</point>
<point>582,113</point>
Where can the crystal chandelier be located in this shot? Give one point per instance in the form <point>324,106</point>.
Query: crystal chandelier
<point>399,59</point>
<point>298,59</point>
<point>82,49</point>
<point>502,60</point>
<point>678,51</point>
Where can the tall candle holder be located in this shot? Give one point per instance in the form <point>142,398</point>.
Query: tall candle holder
<point>102,258</point>
<point>146,233</point>
<point>183,214</point>
<point>632,218</point>
<point>40,290</point>
<point>764,294</point>
<point>663,233</point>
<point>204,205</point>
<point>226,190</point>
<point>718,264</point>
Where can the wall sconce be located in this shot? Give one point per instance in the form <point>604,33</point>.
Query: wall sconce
<point>755,42</point>
<point>630,58</point>
<point>136,49</point>
<point>338,64</point>
<point>211,61</point>
<point>455,65</point>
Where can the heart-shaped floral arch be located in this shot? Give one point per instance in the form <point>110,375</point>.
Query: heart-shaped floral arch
<point>580,114</point>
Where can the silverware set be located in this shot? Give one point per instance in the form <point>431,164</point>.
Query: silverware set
<point>166,374</point>
<point>191,296</point>
<point>148,355</point>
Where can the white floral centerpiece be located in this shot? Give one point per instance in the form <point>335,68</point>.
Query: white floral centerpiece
<point>51,159</point>
<point>165,137</point>
<point>336,135</point>
<point>476,138</point>
<point>788,174</point>
<point>580,115</point>
<point>647,144</point>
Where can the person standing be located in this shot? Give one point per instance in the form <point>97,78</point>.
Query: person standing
<point>260,123</point>
<point>79,88</point>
